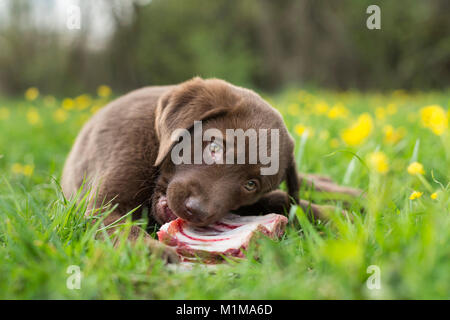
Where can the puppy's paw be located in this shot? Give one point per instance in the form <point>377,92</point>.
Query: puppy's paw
<point>166,253</point>
<point>169,255</point>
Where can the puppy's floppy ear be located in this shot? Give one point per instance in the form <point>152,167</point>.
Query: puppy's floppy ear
<point>193,100</point>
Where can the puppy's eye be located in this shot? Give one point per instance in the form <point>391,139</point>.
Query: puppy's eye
<point>250,185</point>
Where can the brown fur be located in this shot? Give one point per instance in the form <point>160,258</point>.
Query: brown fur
<point>123,152</point>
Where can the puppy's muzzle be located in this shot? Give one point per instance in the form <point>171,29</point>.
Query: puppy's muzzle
<point>197,212</point>
<point>189,202</point>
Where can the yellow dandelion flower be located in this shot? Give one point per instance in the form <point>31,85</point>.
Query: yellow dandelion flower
<point>33,116</point>
<point>83,102</point>
<point>434,196</point>
<point>380,113</point>
<point>68,104</point>
<point>391,108</point>
<point>388,131</point>
<point>338,111</point>
<point>300,129</point>
<point>334,143</point>
<point>60,115</point>
<point>415,168</point>
<point>49,101</point>
<point>28,170</point>
<point>321,107</point>
<point>294,109</point>
<point>104,91</point>
<point>378,161</point>
<point>434,118</point>
<point>4,113</point>
<point>391,135</point>
<point>359,131</point>
<point>415,195</point>
<point>31,94</point>
<point>17,168</point>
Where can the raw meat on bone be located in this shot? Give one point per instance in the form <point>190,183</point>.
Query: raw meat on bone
<point>228,237</point>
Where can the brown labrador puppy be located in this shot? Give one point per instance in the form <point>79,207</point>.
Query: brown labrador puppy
<point>125,154</point>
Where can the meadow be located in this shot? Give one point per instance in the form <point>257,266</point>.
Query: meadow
<point>393,145</point>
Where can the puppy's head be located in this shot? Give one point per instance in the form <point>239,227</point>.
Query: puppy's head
<point>220,147</point>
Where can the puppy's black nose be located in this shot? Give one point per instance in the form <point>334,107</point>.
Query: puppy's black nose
<point>195,210</point>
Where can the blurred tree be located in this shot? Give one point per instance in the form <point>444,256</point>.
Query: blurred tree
<point>171,41</point>
<point>258,43</point>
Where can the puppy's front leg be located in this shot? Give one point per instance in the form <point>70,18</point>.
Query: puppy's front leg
<point>278,202</point>
<point>273,202</point>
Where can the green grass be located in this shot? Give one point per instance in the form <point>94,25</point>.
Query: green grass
<point>42,234</point>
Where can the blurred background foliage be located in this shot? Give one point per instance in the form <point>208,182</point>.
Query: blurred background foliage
<point>262,44</point>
